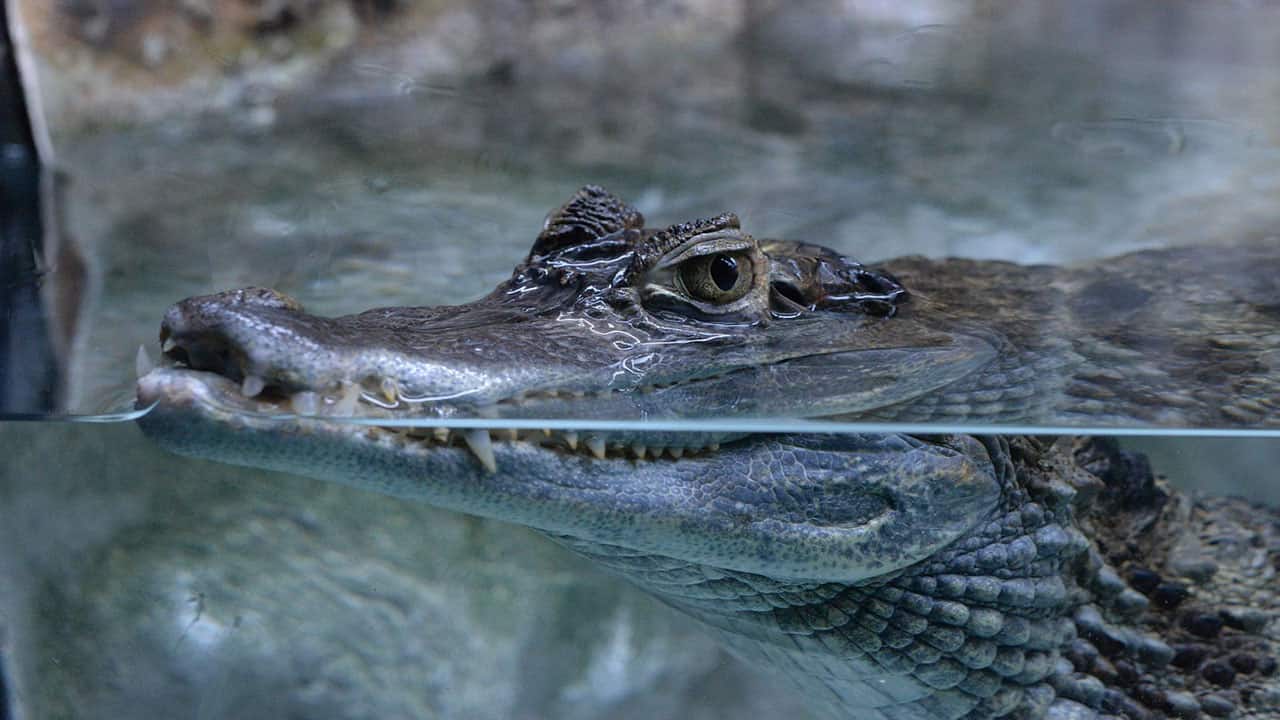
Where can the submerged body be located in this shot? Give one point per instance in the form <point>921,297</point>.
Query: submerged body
<point>891,576</point>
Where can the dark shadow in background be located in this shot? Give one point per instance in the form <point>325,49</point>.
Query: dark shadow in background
<point>4,693</point>
<point>28,373</point>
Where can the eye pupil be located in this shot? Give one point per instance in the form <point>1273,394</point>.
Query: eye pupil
<point>724,272</point>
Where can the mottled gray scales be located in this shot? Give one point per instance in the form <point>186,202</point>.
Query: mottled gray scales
<point>1155,336</point>
<point>1024,607</point>
<point>888,576</point>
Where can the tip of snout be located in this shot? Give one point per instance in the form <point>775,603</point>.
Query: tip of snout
<point>200,310</point>
<point>239,334</point>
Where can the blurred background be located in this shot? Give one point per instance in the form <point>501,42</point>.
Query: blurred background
<point>355,153</point>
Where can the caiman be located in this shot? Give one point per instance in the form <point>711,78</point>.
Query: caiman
<point>890,576</point>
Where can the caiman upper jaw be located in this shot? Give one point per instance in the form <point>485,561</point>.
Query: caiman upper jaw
<point>256,352</point>
<point>483,361</point>
<point>267,343</point>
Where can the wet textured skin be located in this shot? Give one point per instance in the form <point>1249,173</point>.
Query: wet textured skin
<point>889,576</point>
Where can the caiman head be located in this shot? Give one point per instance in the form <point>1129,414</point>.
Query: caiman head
<point>605,320</point>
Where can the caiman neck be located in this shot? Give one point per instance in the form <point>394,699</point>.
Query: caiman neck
<point>974,631</point>
<point>1181,337</point>
<point>1092,590</point>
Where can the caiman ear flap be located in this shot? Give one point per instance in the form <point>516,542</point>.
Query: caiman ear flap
<point>591,213</point>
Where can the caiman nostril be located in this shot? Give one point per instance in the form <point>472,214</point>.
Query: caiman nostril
<point>179,355</point>
<point>208,354</point>
<point>210,332</point>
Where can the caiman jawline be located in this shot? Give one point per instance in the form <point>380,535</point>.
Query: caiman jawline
<point>211,392</point>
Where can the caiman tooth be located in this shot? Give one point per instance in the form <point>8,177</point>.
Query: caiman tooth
<point>389,390</point>
<point>481,447</point>
<point>638,450</point>
<point>168,345</point>
<point>346,405</point>
<point>511,435</point>
<point>571,439</point>
<point>142,363</point>
<point>595,444</point>
<point>441,434</point>
<point>676,452</point>
<point>305,403</point>
<point>252,386</point>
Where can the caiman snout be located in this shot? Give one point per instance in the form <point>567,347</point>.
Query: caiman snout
<point>393,359</point>
<point>258,337</point>
<point>196,324</point>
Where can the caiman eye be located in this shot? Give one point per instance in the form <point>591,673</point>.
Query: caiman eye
<point>717,278</point>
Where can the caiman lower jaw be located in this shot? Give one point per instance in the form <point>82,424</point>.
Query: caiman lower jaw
<point>220,399</point>
<point>837,507</point>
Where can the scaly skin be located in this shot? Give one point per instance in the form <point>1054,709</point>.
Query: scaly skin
<point>890,576</point>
